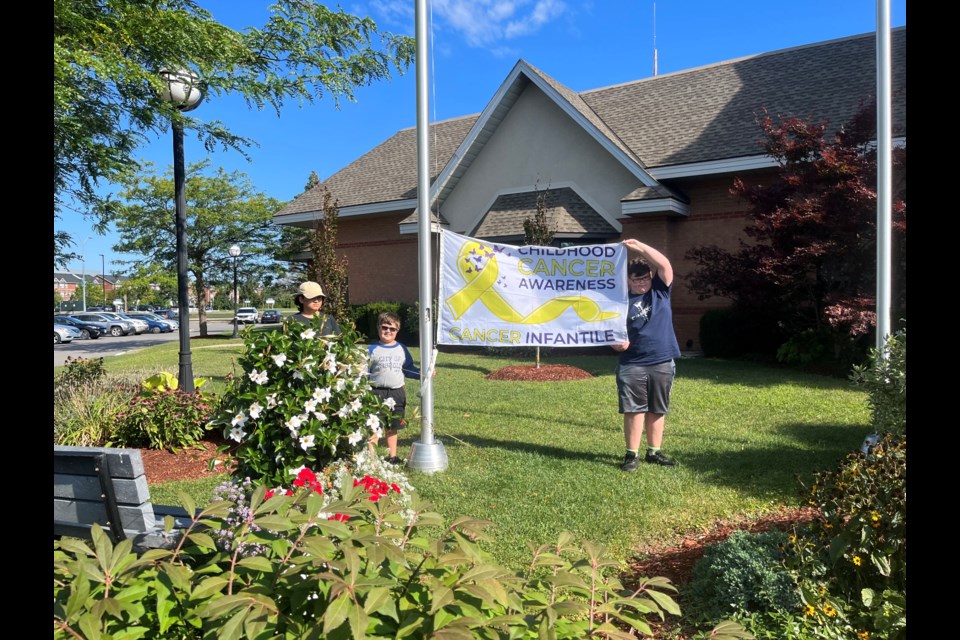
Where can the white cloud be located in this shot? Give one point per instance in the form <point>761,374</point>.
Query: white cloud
<point>481,23</point>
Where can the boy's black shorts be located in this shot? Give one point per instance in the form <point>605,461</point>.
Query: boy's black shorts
<point>399,409</point>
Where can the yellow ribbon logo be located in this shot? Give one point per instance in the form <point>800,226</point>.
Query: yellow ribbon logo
<point>477,264</point>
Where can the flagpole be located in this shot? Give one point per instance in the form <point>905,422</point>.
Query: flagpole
<point>884,175</point>
<point>426,454</point>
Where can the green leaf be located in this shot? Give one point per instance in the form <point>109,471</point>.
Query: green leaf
<point>358,622</point>
<point>866,597</point>
<point>337,612</point>
<point>441,597</point>
<point>257,563</point>
<point>232,630</point>
<point>208,587</point>
<point>202,540</point>
<point>882,563</point>
<point>377,597</point>
<point>730,630</point>
<point>666,603</point>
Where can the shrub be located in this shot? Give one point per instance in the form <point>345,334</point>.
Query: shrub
<point>78,371</point>
<point>85,413</point>
<point>852,568</point>
<point>365,318</point>
<point>885,380</point>
<point>342,576</point>
<point>744,573</point>
<point>303,401</point>
<point>729,333</point>
<point>159,417</point>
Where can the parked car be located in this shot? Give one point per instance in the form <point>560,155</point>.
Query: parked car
<point>112,326</point>
<point>88,331</point>
<point>247,315</point>
<point>155,324</point>
<point>64,333</point>
<point>144,307</point>
<point>141,324</point>
<point>169,314</point>
<point>270,315</point>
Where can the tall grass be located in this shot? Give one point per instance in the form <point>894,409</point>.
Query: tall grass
<point>538,458</point>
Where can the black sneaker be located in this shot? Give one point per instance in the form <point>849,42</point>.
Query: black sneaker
<point>393,460</point>
<point>630,462</point>
<point>660,459</point>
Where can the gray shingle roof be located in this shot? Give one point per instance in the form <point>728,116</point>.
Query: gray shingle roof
<point>566,213</point>
<point>711,112</point>
<point>692,116</point>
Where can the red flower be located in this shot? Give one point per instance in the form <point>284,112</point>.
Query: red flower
<point>341,517</point>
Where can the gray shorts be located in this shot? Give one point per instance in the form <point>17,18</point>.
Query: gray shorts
<point>645,388</point>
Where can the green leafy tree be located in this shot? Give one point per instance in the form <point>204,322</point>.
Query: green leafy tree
<point>106,85</point>
<point>223,209</point>
<point>327,268</point>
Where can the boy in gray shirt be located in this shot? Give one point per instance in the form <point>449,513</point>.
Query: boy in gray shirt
<point>389,364</point>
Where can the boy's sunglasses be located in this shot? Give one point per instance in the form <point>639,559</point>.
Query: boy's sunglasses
<point>384,327</point>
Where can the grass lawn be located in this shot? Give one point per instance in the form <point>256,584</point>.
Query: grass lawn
<point>538,458</point>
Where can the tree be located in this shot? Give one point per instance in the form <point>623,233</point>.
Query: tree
<point>312,181</point>
<point>537,231</point>
<point>150,284</point>
<point>812,264</point>
<point>106,85</point>
<point>327,268</point>
<point>223,210</point>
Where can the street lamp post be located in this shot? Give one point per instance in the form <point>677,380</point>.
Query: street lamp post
<point>234,252</point>
<point>183,91</point>
<point>83,269</point>
<point>103,279</point>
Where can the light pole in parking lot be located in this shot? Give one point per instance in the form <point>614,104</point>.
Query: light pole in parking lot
<point>83,269</point>
<point>234,252</point>
<point>183,91</point>
<point>103,279</point>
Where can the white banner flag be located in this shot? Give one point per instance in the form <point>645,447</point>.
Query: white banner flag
<point>500,295</point>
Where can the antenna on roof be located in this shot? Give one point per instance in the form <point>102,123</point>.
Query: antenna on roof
<point>654,38</point>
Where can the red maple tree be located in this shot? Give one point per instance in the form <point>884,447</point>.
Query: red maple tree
<point>810,262</point>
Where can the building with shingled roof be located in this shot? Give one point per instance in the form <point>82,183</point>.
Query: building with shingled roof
<point>652,159</point>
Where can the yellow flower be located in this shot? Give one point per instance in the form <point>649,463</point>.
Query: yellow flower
<point>863,635</point>
<point>874,516</point>
<point>857,561</point>
<point>809,610</point>
<point>793,539</point>
<point>830,611</point>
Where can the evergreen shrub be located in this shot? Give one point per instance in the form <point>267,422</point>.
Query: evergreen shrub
<point>744,573</point>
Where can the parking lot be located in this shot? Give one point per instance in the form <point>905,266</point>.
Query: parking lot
<point>105,346</point>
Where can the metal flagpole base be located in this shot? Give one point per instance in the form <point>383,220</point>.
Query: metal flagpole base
<point>427,458</point>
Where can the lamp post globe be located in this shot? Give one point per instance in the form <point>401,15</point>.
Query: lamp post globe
<point>181,88</point>
<point>234,252</point>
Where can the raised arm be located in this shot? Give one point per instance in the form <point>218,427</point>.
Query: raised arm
<point>658,262</point>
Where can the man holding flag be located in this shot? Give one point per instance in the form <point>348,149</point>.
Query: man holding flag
<point>646,367</point>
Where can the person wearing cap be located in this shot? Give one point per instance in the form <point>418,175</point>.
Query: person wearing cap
<point>646,368</point>
<point>309,300</point>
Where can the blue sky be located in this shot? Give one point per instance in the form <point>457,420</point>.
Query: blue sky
<point>474,44</point>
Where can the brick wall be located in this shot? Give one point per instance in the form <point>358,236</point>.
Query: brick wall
<point>382,264</point>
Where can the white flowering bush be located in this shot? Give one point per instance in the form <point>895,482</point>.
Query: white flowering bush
<point>303,400</point>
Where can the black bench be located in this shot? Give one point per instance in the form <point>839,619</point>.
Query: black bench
<point>107,488</point>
